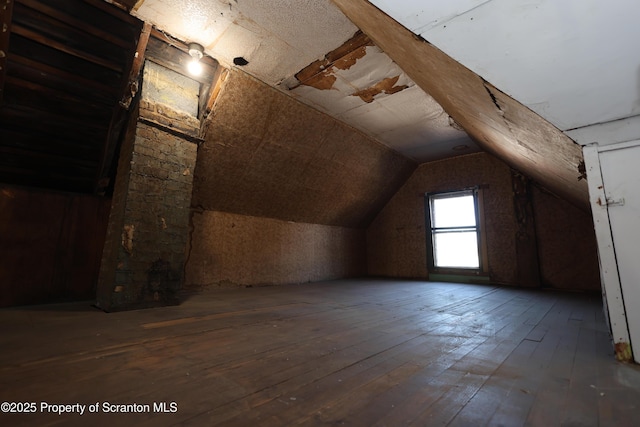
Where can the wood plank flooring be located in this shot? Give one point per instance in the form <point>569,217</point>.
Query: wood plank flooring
<point>348,352</point>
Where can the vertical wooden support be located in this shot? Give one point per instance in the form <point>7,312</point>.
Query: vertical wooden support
<point>526,243</point>
<point>119,117</point>
<point>6,11</point>
<point>132,85</point>
<point>611,287</point>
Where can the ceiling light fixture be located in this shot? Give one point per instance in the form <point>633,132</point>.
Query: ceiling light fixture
<point>197,52</point>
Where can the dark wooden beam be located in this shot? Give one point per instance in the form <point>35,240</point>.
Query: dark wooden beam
<point>45,117</point>
<point>62,79</point>
<point>5,23</point>
<point>115,10</point>
<point>58,97</point>
<point>213,92</point>
<point>76,23</point>
<point>62,47</point>
<point>48,142</point>
<point>70,64</point>
<point>120,113</point>
<point>134,73</point>
<point>60,159</point>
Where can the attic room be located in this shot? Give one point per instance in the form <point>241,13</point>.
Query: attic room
<point>319,213</point>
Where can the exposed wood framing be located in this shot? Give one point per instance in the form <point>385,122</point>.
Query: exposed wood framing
<point>498,123</point>
<point>5,22</point>
<point>138,60</point>
<point>219,79</point>
<point>62,47</point>
<point>120,115</point>
<point>75,23</point>
<point>105,6</point>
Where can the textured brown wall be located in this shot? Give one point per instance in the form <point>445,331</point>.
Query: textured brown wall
<point>50,245</point>
<point>229,249</point>
<point>567,247</point>
<point>267,155</point>
<point>396,240</point>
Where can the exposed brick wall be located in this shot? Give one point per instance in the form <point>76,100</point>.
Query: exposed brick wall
<point>148,230</point>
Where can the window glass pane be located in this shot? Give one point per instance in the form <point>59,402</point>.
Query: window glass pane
<point>457,249</point>
<point>454,212</point>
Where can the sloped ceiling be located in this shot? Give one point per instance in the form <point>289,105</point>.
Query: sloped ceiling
<point>409,93</point>
<point>64,70</point>
<point>268,155</point>
<point>397,87</point>
<point>500,124</point>
<point>280,39</point>
<point>569,61</point>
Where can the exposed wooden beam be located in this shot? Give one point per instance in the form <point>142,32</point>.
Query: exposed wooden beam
<point>114,9</point>
<point>86,105</point>
<point>119,115</point>
<point>214,90</point>
<point>60,160</point>
<point>138,60</point>
<point>90,87</point>
<point>48,142</point>
<point>44,117</point>
<point>62,47</point>
<point>76,23</point>
<point>499,124</point>
<point>70,64</point>
<point>5,23</point>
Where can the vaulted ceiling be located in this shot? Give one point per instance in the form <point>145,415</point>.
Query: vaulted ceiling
<point>428,79</point>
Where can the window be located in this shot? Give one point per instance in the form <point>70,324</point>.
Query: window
<point>454,238</point>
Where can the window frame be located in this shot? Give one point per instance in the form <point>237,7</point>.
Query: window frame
<point>479,229</point>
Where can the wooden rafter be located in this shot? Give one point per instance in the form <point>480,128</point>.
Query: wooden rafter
<point>138,60</point>
<point>5,24</point>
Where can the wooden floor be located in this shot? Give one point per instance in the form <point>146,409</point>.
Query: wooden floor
<point>357,353</point>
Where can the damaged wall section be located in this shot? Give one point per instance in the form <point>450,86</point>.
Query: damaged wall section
<point>144,255</point>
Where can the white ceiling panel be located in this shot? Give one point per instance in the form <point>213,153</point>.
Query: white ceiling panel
<point>420,15</point>
<point>571,61</point>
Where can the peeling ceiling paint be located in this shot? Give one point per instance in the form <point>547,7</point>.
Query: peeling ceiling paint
<point>279,38</point>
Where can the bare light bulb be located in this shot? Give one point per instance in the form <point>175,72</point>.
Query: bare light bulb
<point>194,66</point>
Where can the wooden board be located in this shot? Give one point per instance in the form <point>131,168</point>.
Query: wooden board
<point>352,352</point>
